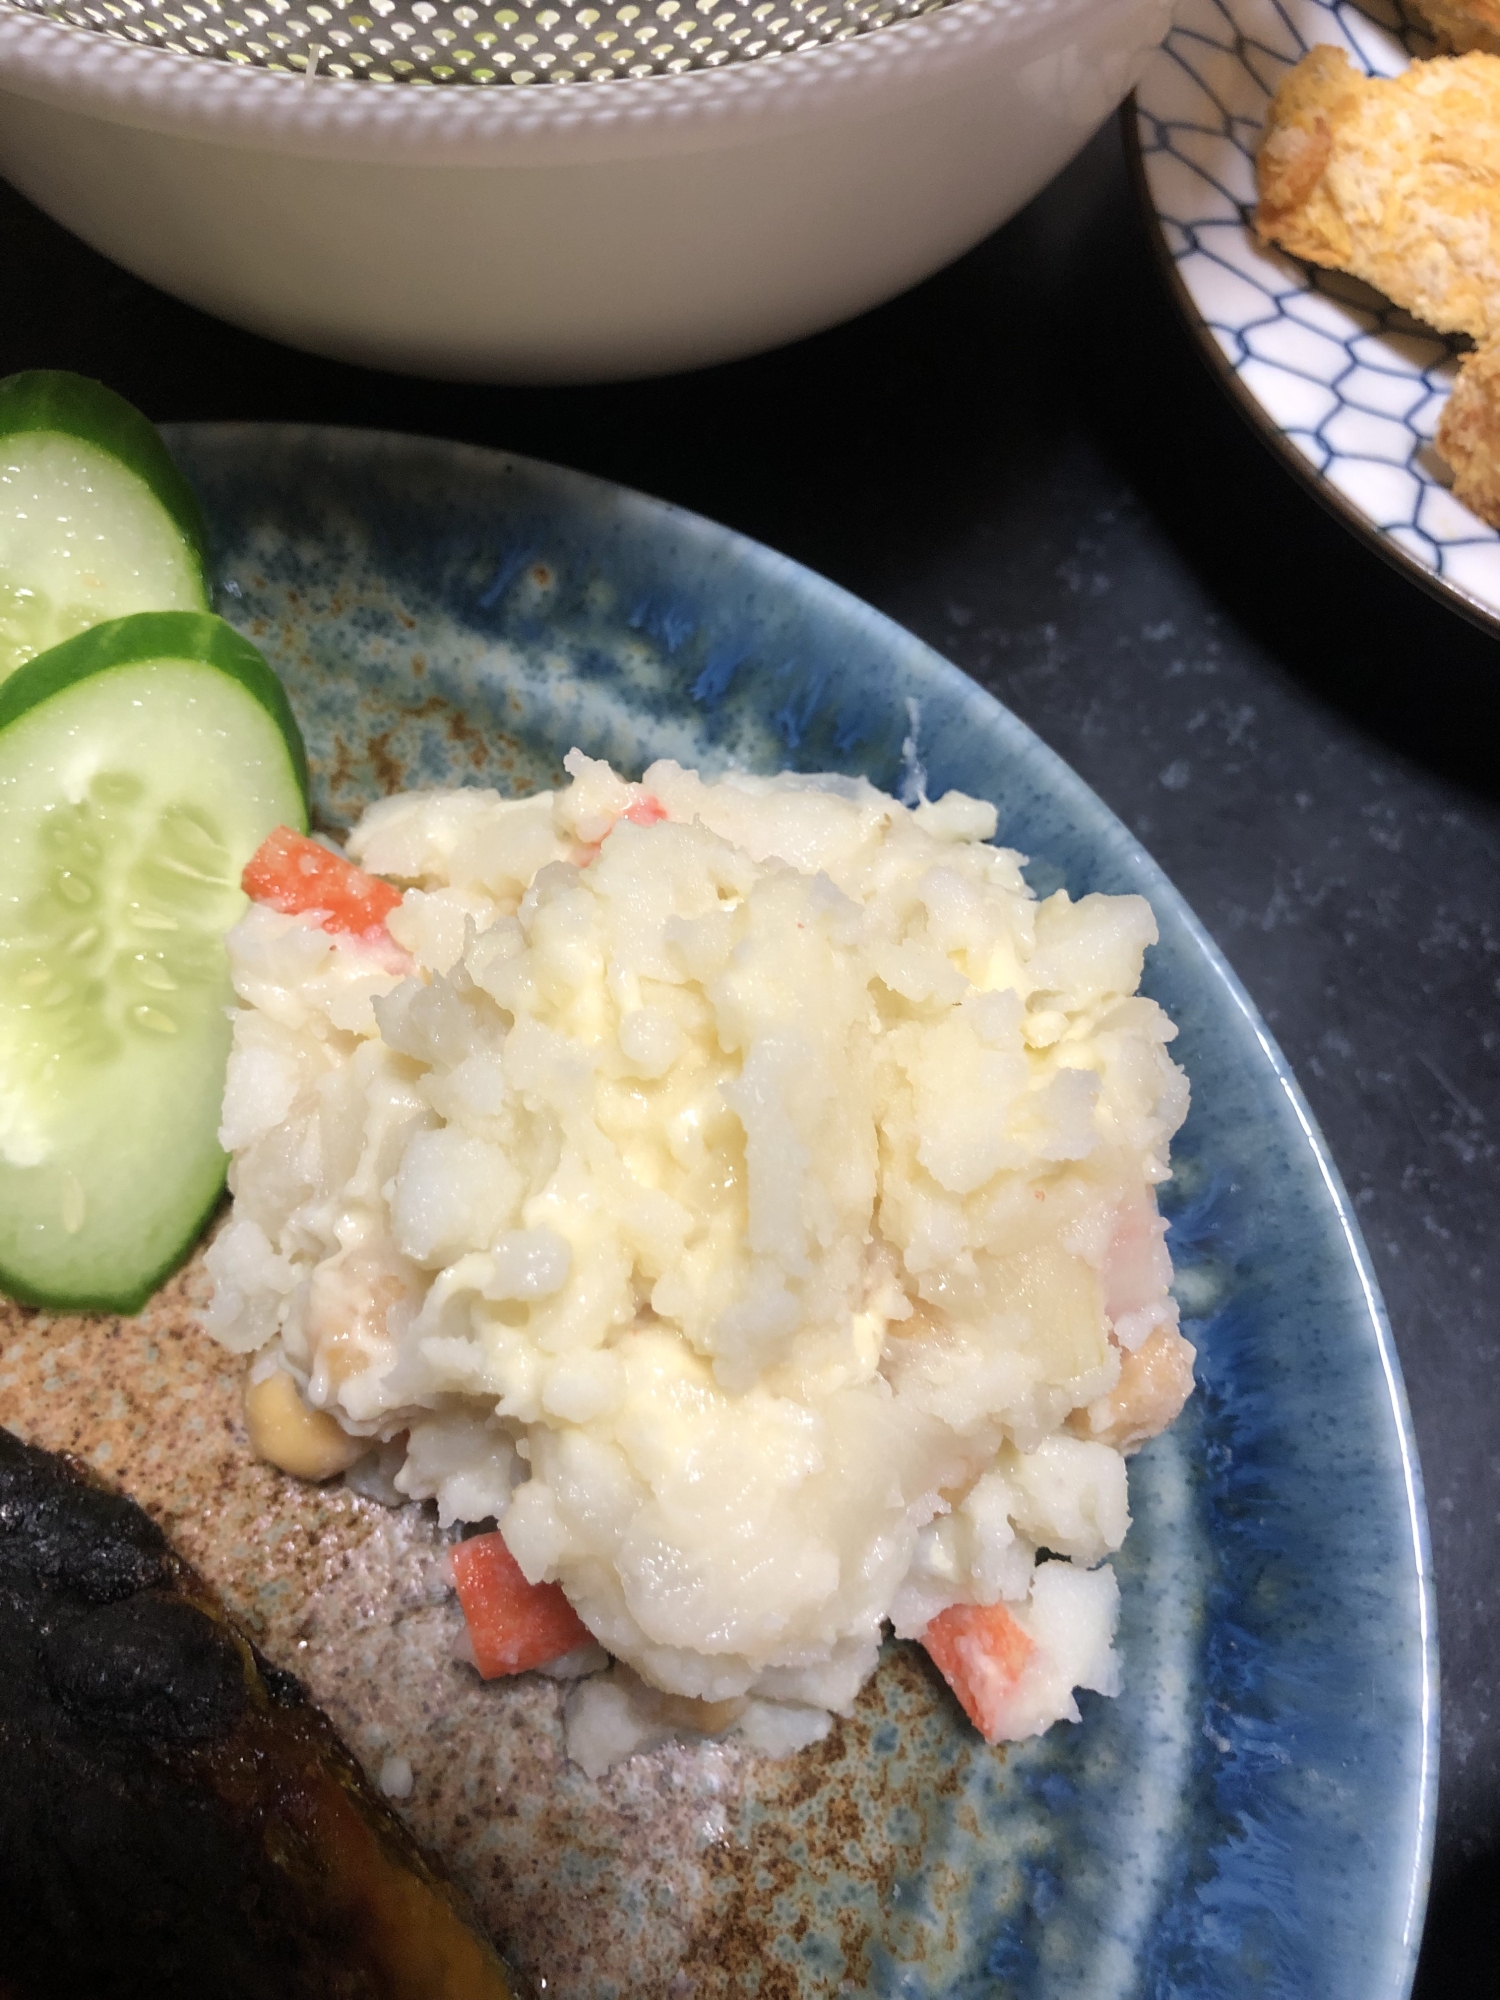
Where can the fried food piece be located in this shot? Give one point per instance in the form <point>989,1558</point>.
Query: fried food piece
<point>1394,180</point>
<point>1398,182</point>
<point>1461,25</point>
<point>1468,433</point>
<point>177,1819</point>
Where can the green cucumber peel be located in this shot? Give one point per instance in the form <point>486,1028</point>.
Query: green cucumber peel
<point>51,399</point>
<point>141,763</point>
<point>198,636</point>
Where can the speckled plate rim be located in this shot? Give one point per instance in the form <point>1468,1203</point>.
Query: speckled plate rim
<point>682,533</point>
<point>1440,588</point>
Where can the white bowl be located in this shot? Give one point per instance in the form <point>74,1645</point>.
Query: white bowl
<point>562,232</point>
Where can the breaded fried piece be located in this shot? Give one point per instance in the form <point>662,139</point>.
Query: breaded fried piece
<point>1468,433</point>
<point>1461,25</point>
<point>1396,181</point>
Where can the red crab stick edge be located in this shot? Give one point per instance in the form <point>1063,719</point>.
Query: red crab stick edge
<point>981,1652</point>
<point>293,874</point>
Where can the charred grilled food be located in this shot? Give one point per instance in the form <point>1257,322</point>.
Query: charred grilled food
<point>177,1818</point>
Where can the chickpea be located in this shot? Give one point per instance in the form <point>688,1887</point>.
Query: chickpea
<point>707,1718</point>
<point>307,1443</point>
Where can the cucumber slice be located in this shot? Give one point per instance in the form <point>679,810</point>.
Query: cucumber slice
<point>141,765</point>
<point>95,519</point>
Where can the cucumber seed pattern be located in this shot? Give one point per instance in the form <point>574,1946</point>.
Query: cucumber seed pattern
<point>134,900</point>
<point>31,620</point>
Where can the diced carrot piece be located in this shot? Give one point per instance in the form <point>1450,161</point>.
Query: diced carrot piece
<point>981,1652</point>
<point>513,1624</point>
<point>292,874</point>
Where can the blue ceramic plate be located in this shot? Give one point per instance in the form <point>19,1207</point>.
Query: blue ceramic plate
<point>1254,1815</point>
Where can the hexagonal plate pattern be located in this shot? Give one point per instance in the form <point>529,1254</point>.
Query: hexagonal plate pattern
<point>1349,385</point>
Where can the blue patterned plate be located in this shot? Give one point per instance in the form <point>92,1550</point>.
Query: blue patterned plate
<point>1254,1814</point>
<point>1346,383</point>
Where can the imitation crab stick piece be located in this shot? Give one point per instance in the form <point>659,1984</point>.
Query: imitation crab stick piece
<point>513,1624</point>
<point>292,874</point>
<point>981,1652</point>
<point>647,810</point>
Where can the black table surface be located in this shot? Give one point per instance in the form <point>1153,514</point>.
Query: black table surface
<point>1027,462</point>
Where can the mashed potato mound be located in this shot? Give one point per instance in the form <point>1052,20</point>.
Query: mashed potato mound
<point>741,1191</point>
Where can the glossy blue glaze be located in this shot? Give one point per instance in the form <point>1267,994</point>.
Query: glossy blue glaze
<point>1254,1815</point>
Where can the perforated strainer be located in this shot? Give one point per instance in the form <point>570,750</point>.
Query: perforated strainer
<point>454,41</point>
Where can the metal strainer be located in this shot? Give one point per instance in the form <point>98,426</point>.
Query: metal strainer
<point>454,41</point>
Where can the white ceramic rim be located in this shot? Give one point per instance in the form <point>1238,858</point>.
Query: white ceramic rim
<point>196,97</point>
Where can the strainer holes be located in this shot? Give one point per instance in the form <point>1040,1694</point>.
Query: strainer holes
<point>417,41</point>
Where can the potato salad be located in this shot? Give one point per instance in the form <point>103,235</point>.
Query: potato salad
<point>737,1199</point>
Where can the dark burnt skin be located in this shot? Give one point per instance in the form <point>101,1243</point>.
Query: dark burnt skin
<point>175,1817</point>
